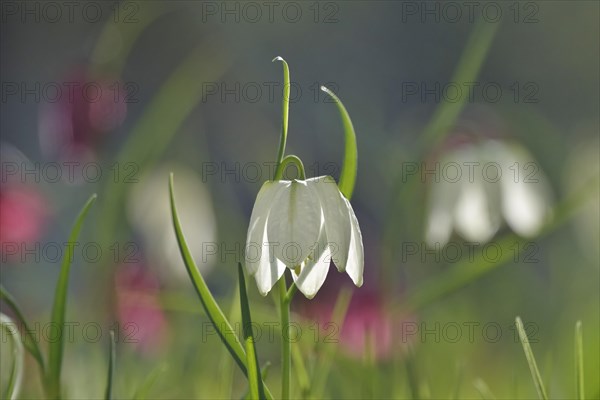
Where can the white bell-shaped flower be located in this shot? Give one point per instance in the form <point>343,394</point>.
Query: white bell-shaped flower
<point>475,204</point>
<point>303,225</point>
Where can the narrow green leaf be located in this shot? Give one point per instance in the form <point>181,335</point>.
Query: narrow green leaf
<point>142,391</point>
<point>31,345</point>
<point>483,389</point>
<point>160,122</point>
<point>285,110</point>
<point>579,361</point>
<point>111,366</point>
<point>535,373</point>
<point>338,315</point>
<point>212,309</point>
<point>350,164</point>
<point>466,71</point>
<point>55,348</point>
<point>254,378</point>
<point>16,371</point>
<point>300,369</point>
<point>412,374</point>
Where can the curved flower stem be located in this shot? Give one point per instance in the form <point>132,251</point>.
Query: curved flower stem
<point>291,159</point>
<point>286,345</point>
<point>285,110</point>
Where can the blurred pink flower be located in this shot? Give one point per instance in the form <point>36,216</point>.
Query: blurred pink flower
<point>23,214</point>
<point>369,327</point>
<point>140,315</point>
<point>85,110</point>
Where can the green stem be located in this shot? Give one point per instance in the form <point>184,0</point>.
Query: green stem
<point>286,345</point>
<point>291,159</point>
<point>285,111</point>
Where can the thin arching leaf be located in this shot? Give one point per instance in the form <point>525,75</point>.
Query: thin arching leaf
<point>15,375</point>
<point>212,309</point>
<point>55,349</point>
<point>31,345</point>
<point>349,166</point>
<point>285,109</point>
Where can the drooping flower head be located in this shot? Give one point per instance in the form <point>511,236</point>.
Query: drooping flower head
<point>303,225</point>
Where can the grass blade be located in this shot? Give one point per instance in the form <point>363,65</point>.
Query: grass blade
<point>111,366</point>
<point>31,345</point>
<point>254,375</point>
<point>579,361</point>
<point>483,389</point>
<point>535,373</point>
<point>16,371</point>
<point>301,373</point>
<point>350,164</point>
<point>467,70</point>
<point>212,309</point>
<point>142,391</point>
<point>55,350</point>
<point>338,315</point>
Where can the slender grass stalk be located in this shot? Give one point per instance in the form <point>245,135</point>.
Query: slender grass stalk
<point>254,375</point>
<point>535,373</point>
<point>483,389</point>
<point>300,370</point>
<point>141,392</point>
<point>111,366</point>
<point>467,70</point>
<point>579,361</point>
<point>338,315</point>
<point>286,344</point>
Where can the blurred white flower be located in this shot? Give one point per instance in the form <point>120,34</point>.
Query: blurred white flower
<point>303,225</point>
<point>479,185</point>
<point>148,211</point>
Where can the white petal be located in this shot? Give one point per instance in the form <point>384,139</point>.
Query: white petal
<point>336,216</point>
<point>356,257</point>
<point>294,223</point>
<point>256,230</point>
<point>525,190</point>
<point>313,274</point>
<point>524,207</point>
<point>439,223</point>
<point>475,216</point>
<point>269,270</point>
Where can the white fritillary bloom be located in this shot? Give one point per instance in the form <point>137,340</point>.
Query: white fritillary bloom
<point>496,181</point>
<point>303,225</point>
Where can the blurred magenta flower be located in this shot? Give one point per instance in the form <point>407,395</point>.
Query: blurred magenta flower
<point>82,109</point>
<point>23,215</point>
<point>141,317</point>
